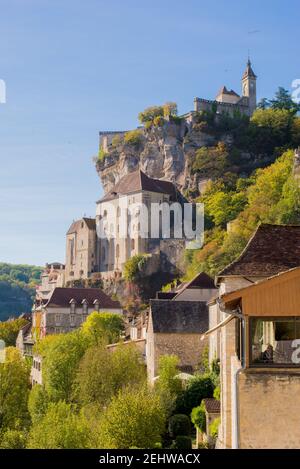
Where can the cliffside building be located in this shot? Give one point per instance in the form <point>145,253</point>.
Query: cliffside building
<point>228,101</point>
<point>81,249</point>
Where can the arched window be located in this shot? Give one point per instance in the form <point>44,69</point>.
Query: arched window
<point>117,251</point>
<point>132,244</point>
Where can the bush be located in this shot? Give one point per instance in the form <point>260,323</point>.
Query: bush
<point>133,266</point>
<point>117,140</point>
<point>198,388</point>
<point>158,121</point>
<point>182,442</point>
<point>179,424</point>
<point>13,439</point>
<point>133,137</point>
<point>213,428</point>
<point>102,154</point>
<point>149,114</point>
<point>198,417</point>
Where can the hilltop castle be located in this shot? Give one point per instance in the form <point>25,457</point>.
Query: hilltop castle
<point>228,101</point>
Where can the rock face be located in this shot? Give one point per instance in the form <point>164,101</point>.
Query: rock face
<point>162,152</point>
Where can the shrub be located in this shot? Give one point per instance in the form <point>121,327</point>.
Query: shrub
<point>158,121</point>
<point>133,137</point>
<point>198,388</point>
<point>170,109</point>
<point>217,393</point>
<point>213,428</point>
<point>133,267</point>
<point>102,154</point>
<point>179,424</point>
<point>13,439</point>
<point>117,140</point>
<point>198,417</point>
<point>149,114</point>
<point>182,442</point>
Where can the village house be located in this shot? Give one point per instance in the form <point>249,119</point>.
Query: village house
<point>67,309</point>
<point>176,327</point>
<point>260,364</point>
<point>272,251</point>
<point>200,288</point>
<point>52,276</point>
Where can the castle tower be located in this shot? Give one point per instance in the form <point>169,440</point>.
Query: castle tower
<point>249,87</point>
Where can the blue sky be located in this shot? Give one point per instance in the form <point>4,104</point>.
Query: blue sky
<point>73,68</point>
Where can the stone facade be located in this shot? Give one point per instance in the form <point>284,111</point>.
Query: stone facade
<point>175,327</point>
<point>81,250</point>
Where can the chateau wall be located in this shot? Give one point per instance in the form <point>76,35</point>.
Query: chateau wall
<point>230,108</point>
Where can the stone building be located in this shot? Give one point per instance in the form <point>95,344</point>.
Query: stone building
<point>81,249</point>
<point>175,327</point>
<point>260,365</point>
<point>272,250</point>
<point>200,288</point>
<point>67,309</point>
<point>52,276</point>
<point>119,212</point>
<point>228,101</point>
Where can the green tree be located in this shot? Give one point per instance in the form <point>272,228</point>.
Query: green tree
<point>133,267</point>
<point>14,389</point>
<point>134,418</point>
<point>61,356</point>
<point>13,439</point>
<point>283,100</point>
<point>102,328</point>
<point>60,428</point>
<point>102,373</point>
<point>38,402</point>
<point>198,417</point>
<point>149,114</point>
<point>168,384</point>
<point>199,387</point>
<point>133,137</point>
<point>9,330</point>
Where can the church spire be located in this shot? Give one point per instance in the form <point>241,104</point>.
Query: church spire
<point>249,71</point>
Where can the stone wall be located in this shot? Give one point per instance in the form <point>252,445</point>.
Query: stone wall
<point>269,408</point>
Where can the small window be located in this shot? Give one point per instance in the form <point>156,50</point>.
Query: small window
<point>118,211</point>
<point>82,224</point>
<point>132,244</point>
<point>117,251</point>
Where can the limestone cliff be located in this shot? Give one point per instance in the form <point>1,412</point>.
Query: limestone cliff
<point>163,152</point>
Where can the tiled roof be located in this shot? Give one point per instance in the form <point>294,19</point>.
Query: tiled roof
<point>212,405</point>
<point>179,316</point>
<point>63,296</point>
<point>224,90</point>
<point>76,225</point>
<point>272,249</point>
<point>138,181</point>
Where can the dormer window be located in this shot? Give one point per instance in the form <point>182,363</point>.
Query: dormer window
<point>96,305</point>
<point>73,306</point>
<point>85,306</point>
